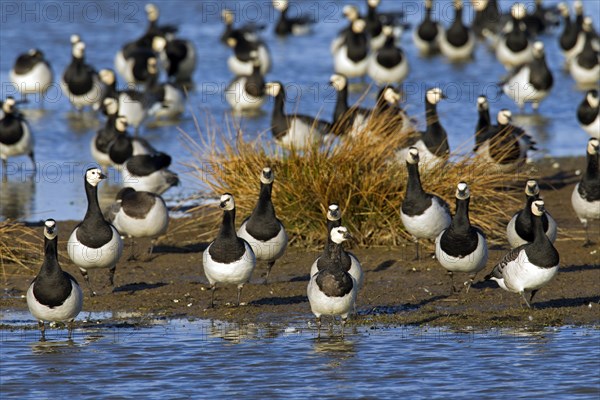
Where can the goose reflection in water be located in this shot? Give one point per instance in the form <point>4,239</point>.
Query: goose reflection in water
<point>16,198</point>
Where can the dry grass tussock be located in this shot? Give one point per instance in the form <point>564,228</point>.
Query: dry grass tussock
<point>362,176</point>
<point>19,246</point>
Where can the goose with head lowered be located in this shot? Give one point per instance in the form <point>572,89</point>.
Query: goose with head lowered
<point>433,142</point>
<point>249,30</point>
<point>458,41</point>
<point>519,230</point>
<point>263,230</point>
<point>228,259</point>
<point>94,243</point>
<point>586,194</point>
<point>423,215</point>
<point>588,113</point>
<point>332,290</point>
<point>585,66</point>
<point>54,295</point>
<point>123,146</point>
<point>349,262</point>
<point>246,93</point>
<point>31,74</point>
<point>514,47</point>
<point>15,136</point>
<point>80,82</point>
<point>287,25</point>
<point>149,173</point>
<point>462,247</point>
<point>352,56</point>
<point>139,215</point>
<point>388,65</point>
<point>177,56</point>
<point>530,82</point>
<point>241,61</point>
<point>531,266</point>
<point>427,35</point>
<point>294,131</point>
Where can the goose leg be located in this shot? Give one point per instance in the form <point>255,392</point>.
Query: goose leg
<point>70,330</point>
<point>32,158</point>
<point>417,255</point>
<point>469,283</point>
<point>111,276</point>
<point>533,293</point>
<point>318,327</point>
<point>343,325</point>
<point>271,263</point>
<point>213,287</point>
<point>132,256</point>
<point>452,287</point>
<point>4,176</point>
<point>240,287</point>
<point>525,298</point>
<point>42,327</point>
<point>87,281</point>
<point>588,242</point>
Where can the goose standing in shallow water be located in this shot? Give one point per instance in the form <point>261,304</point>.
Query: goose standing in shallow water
<point>287,25</point>
<point>585,66</point>
<point>351,57</point>
<point>388,65</point>
<point>94,243</point>
<point>80,82</point>
<point>348,260</point>
<point>332,291</point>
<point>513,47</point>
<point>586,194</point>
<point>588,114</point>
<point>139,215</point>
<point>351,14</point>
<point>531,82</point>
<point>228,259</point>
<point>519,230</point>
<point>423,215</point>
<point>462,247</point>
<point>32,74</point>
<point>486,22</point>
<point>170,97</point>
<point>249,30</point>
<point>531,266</point>
<point>241,61</point>
<point>433,142</point>
<point>15,136</point>
<point>572,39</point>
<point>294,131</point>
<point>263,230</point>
<point>54,295</point>
<point>427,35</point>
<point>246,93</point>
<point>105,135</point>
<point>458,41</point>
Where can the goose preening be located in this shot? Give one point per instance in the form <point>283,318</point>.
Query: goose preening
<point>513,47</point>
<point>31,74</point>
<point>80,82</point>
<point>177,56</point>
<point>427,35</point>
<point>586,194</point>
<point>241,61</point>
<point>585,66</point>
<point>351,57</point>
<point>287,25</point>
<point>105,135</point>
<point>228,259</point>
<point>54,295</point>
<point>246,93</point>
<point>94,243</point>
<point>519,230</point>
<point>349,262</point>
<point>347,121</point>
<point>432,143</point>
<point>123,146</point>
<point>424,215</point>
<point>531,266</point>
<point>263,230</point>
<point>149,173</point>
<point>388,64</point>
<point>462,247</point>
<point>572,38</point>
<point>139,215</point>
<point>249,30</point>
<point>294,131</point>
<point>486,22</point>
<point>168,96</point>
<point>332,290</point>
<point>458,41</point>
<point>504,145</point>
<point>588,113</point>
<point>530,82</point>
<point>15,136</point>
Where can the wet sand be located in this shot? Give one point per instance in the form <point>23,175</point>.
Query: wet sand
<point>397,290</point>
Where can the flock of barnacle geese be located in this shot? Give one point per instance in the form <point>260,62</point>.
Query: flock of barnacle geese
<point>365,47</point>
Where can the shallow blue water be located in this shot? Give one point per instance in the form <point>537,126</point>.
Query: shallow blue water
<point>200,359</point>
<point>303,63</point>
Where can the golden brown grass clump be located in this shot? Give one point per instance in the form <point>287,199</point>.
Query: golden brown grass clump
<point>362,176</point>
<point>18,247</point>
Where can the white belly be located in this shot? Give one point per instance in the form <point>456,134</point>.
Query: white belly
<point>36,81</point>
<point>383,75</point>
<point>321,304</point>
<point>94,96</point>
<point>355,271</point>
<point>457,53</point>
<point>521,90</point>
<point>520,275</point>
<point>300,135</point>
<point>344,65</point>
<point>245,67</point>
<point>153,225</point>
<point>510,59</point>
<point>134,111</point>
<point>424,46</point>
<point>429,224</point>
<point>238,272</point>
<point>157,182</point>
<point>583,76</point>
<point>173,104</point>
<point>65,312</point>
<point>86,258</point>
<point>585,210</point>
<point>471,263</point>
<point>239,99</point>
<point>593,129</point>
<point>269,250</point>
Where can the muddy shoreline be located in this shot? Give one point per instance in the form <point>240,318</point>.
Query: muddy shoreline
<point>397,290</point>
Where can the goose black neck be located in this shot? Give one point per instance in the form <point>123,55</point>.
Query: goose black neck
<point>152,81</point>
<point>278,109</point>
<point>483,122</point>
<point>591,171</point>
<point>460,222</point>
<point>265,205</point>
<point>50,255</point>
<point>414,180</point>
<point>431,113</point>
<point>227,230</point>
<point>341,104</point>
<point>333,255</point>
<point>93,209</point>
<point>538,231</point>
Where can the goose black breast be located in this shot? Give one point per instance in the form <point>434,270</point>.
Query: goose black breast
<point>516,40</point>
<point>144,165</point>
<point>120,150</point>
<point>428,31</point>
<point>177,51</point>
<point>25,64</point>
<point>227,250</point>
<point>540,76</point>
<point>542,255</point>
<point>138,204</point>
<point>325,262</point>
<point>263,227</point>
<point>357,47</point>
<point>457,244</point>
<point>52,290</point>
<point>79,78</point>
<point>457,35</point>
<point>524,227</point>
<point>334,284</point>
<point>589,189</point>
<point>586,114</point>
<point>389,57</point>
<point>11,130</point>
<point>94,232</point>
<point>413,206</point>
